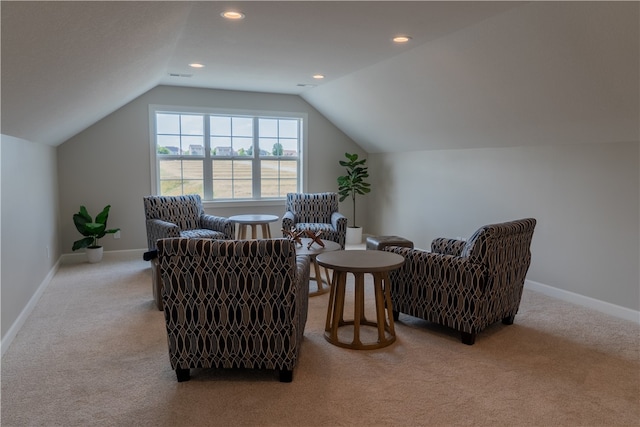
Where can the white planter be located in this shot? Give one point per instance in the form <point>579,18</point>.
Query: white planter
<point>354,235</point>
<point>94,255</point>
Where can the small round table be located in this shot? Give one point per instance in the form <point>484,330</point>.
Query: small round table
<point>358,263</point>
<point>313,251</point>
<point>253,220</point>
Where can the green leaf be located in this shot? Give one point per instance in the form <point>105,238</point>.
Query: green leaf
<point>103,216</point>
<point>80,221</point>
<point>95,228</point>
<point>84,214</point>
<point>351,157</point>
<point>82,243</point>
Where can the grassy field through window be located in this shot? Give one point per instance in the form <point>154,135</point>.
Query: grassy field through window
<point>232,179</point>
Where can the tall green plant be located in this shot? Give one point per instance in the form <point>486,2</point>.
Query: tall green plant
<point>353,183</point>
<point>90,229</point>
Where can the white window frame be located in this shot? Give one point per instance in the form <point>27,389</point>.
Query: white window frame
<point>302,154</point>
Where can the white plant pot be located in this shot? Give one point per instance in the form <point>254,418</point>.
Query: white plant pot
<point>94,255</point>
<point>354,235</point>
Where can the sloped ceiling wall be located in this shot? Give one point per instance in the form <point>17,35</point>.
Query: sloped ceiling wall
<point>473,74</point>
<point>66,65</point>
<point>560,71</point>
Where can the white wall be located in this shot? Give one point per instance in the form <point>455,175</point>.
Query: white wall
<point>109,163</point>
<point>29,223</point>
<point>585,198</point>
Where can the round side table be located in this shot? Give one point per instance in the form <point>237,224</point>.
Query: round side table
<point>253,221</point>
<point>359,263</point>
<point>323,283</point>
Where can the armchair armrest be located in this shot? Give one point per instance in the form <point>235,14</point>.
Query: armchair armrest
<point>422,268</point>
<point>302,269</point>
<point>339,221</point>
<point>443,245</point>
<point>288,220</point>
<point>159,229</point>
<point>218,223</point>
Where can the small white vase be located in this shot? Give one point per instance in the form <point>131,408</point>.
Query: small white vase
<point>354,236</point>
<point>94,255</point>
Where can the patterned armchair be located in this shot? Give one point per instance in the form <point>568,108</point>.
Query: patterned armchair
<point>182,216</point>
<point>468,285</point>
<point>234,304</point>
<point>179,216</point>
<point>315,212</point>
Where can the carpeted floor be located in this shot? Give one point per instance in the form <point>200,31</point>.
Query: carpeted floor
<point>94,353</point>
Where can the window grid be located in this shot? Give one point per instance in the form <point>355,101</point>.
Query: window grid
<point>239,158</point>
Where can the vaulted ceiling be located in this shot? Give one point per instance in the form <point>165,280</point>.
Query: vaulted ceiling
<point>475,74</point>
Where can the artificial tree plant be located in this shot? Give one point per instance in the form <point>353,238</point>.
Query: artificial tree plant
<point>353,183</point>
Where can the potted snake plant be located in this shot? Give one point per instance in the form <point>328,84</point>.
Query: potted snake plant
<point>351,185</point>
<point>92,231</point>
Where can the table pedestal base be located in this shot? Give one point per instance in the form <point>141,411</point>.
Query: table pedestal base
<point>323,283</point>
<point>243,228</point>
<point>384,320</point>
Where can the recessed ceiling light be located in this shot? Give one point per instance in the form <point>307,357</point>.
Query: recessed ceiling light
<point>401,39</point>
<point>233,15</point>
<point>196,65</point>
<point>318,76</point>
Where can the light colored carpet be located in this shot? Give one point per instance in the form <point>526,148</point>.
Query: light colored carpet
<point>94,352</point>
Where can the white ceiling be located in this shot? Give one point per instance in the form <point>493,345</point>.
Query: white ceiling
<point>476,74</point>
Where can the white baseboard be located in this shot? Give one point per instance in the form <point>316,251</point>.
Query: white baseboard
<point>26,311</point>
<point>24,314</point>
<point>79,257</point>
<point>602,306</point>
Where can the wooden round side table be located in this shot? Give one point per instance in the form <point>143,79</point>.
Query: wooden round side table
<point>253,220</point>
<point>323,283</point>
<point>359,263</point>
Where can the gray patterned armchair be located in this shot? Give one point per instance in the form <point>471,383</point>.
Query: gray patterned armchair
<point>315,212</point>
<point>179,216</point>
<point>182,216</point>
<point>465,285</point>
<point>234,304</point>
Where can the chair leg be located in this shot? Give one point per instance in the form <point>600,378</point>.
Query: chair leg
<point>508,320</point>
<point>183,374</point>
<point>286,375</point>
<point>396,315</point>
<point>468,338</point>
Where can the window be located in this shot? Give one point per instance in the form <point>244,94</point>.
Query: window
<point>226,157</point>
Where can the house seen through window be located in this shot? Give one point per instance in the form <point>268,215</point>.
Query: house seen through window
<point>227,157</point>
